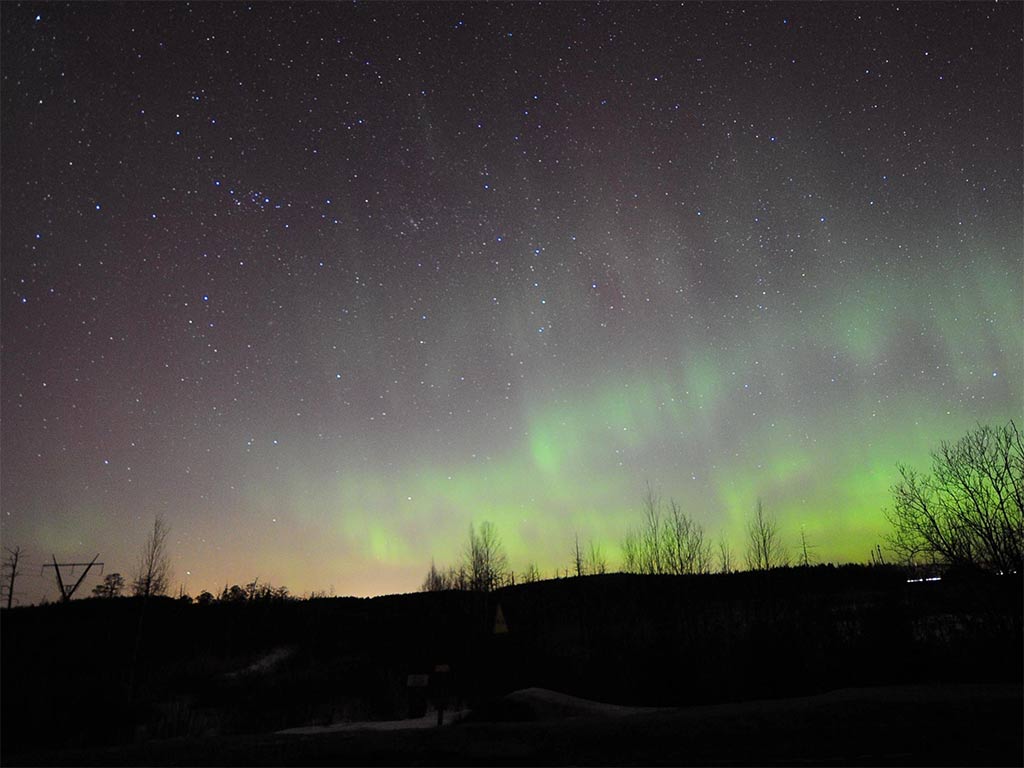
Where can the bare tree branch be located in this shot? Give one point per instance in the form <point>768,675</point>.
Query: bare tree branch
<point>153,572</point>
<point>485,561</point>
<point>672,543</point>
<point>968,510</point>
<point>764,546</point>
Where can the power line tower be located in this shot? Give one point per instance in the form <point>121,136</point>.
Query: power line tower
<point>65,591</point>
<point>11,567</point>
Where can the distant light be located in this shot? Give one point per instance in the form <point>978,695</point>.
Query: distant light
<point>97,206</point>
<point>928,578</point>
<point>39,18</point>
<point>205,297</point>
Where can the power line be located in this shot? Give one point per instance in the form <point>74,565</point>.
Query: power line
<point>65,591</point>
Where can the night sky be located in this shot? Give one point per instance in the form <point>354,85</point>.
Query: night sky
<point>322,284</point>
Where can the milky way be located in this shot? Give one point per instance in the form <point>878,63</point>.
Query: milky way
<point>322,284</point>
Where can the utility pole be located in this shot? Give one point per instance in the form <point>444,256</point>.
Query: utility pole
<point>12,567</point>
<point>65,591</point>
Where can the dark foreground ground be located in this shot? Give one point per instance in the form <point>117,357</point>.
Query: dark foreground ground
<point>895,725</point>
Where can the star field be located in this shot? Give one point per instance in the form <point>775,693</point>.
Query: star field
<point>324,283</point>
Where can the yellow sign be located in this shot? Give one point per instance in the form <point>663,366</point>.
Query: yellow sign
<point>500,627</point>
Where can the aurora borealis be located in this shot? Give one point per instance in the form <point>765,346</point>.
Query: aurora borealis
<point>324,283</point>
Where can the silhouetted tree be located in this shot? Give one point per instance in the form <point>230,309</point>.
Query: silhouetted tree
<point>256,591</point>
<point>531,574</point>
<point>577,556</point>
<point>724,556</point>
<point>807,559</point>
<point>665,544</point>
<point>484,565</point>
<point>435,581</point>
<point>650,533</point>
<point>596,562</point>
<point>968,511</point>
<point>764,546</point>
<point>234,594</point>
<point>684,549</point>
<point>153,571</point>
<point>630,552</point>
<point>485,561</point>
<point>10,572</point>
<point>205,598</point>
<point>111,586</point>
<point>875,556</point>
<point>458,578</point>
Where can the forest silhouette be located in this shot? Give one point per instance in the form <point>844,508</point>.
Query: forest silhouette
<point>121,679</point>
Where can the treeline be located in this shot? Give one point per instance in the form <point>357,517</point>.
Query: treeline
<point>151,578</point>
<point>967,513</point>
<point>667,541</point>
<point>113,586</point>
<point>484,566</point>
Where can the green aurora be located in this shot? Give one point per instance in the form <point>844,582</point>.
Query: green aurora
<point>471,262</point>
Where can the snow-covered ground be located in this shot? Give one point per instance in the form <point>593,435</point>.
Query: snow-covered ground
<point>544,704</point>
<point>429,720</point>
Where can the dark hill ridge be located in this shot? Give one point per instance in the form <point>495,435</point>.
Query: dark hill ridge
<point>262,666</point>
